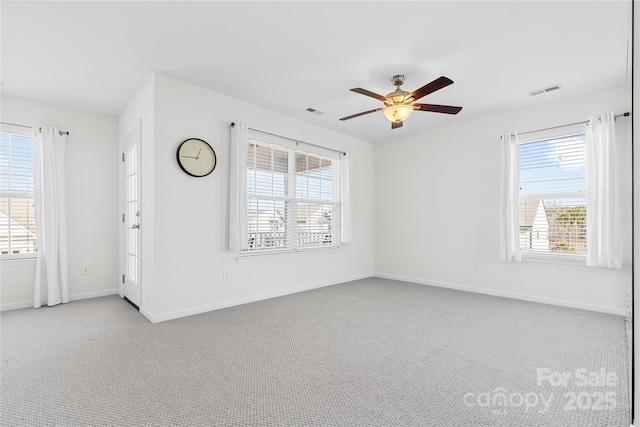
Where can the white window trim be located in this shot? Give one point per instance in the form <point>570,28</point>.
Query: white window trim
<point>553,133</point>
<point>270,254</point>
<point>553,257</point>
<point>12,259</point>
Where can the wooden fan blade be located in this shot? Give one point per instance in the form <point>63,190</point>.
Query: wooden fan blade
<point>435,85</point>
<point>447,109</point>
<point>396,125</point>
<point>368,93</point>
<point>361,114</point>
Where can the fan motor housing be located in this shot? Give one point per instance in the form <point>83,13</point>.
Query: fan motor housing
<point>397,97</point>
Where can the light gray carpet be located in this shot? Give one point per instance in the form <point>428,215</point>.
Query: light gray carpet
<point>372,352</point>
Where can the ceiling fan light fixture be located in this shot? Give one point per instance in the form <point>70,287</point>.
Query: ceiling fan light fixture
<point>398,113</point>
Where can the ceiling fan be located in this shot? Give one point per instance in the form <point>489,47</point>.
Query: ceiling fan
<point>400,104</point>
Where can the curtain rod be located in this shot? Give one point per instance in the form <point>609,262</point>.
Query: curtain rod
<point>625,114</point>
<point>15,124</point>
<point>61,132</point>
<point>554,127</point>
<point>295,140</point>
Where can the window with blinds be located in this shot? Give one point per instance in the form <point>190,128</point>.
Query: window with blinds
<point>17,210</point>
<point>553,194</point>
<point>292,197</point>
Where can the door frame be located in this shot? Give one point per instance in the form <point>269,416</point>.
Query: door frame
<point>136,131</point>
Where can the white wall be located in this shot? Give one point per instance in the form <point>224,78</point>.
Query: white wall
<point>92,196</point>
<point>190,215</point>
<point>437,207</point>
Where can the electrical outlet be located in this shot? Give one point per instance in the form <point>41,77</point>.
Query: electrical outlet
<point>85,269</point>
<point>475,264</point>
<point>225,275</point>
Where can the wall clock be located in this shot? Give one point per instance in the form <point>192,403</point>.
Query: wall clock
<point>196,157</point>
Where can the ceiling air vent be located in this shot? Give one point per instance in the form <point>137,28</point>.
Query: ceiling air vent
<point>544,90</point>
<point>314,111</point>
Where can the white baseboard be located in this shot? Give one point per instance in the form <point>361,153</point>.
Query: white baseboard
<point>95,294</point>
<point>505,294</point>
<point>72,297</point>
<point>157,318</point>
<point>16,305</point>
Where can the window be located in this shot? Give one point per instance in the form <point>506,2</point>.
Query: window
<point>292,195</point>
<point>553,194</point>
<point>17,211</point>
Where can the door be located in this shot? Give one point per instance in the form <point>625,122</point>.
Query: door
<point>131,217</point>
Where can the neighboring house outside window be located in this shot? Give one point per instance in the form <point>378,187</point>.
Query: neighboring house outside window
<point>553,195</point>
<point>534,226</point>
<point>17,210</point>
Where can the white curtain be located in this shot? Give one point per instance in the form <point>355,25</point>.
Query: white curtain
<point>51,285</point>
<point>509,195</point>
<point>604,240</point>
<point>237,187</point>
<point>346,225</point>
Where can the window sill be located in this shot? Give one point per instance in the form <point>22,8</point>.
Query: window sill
<point>17,260</point>
<point>269,256</point>
<point>564,259</point>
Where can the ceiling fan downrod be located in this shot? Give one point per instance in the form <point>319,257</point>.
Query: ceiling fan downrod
<point>398,80</point>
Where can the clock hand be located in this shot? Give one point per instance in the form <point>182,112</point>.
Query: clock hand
<point>198,156</point>
<point>190,157</point>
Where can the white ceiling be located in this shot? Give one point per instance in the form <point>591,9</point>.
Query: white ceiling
<point>288,56</point>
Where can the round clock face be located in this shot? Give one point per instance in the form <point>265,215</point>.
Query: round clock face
<point>196,157</point>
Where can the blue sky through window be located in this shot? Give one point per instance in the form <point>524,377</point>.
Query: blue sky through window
<point>16,164</point>
<point>553,166</point>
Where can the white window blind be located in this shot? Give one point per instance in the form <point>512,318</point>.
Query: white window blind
<point>553,193</point>
<point>17,210</point>
<point>267,191</point>
<point>292,196</point>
